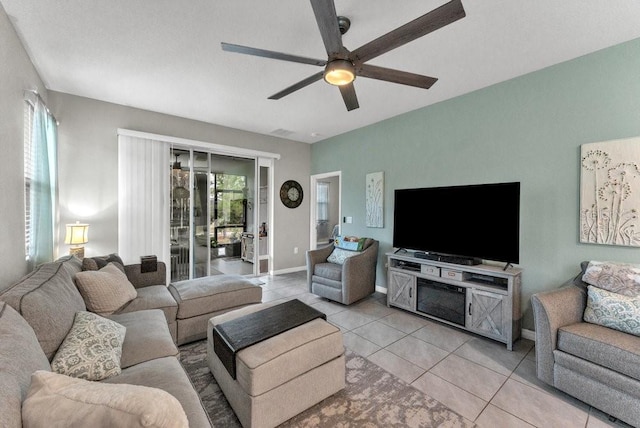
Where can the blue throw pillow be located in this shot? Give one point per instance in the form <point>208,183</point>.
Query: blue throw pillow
<point>351,243</point>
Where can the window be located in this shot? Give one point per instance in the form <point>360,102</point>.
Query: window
<point>40,180</point>
<point>322,207</point>
<point>229,206</point>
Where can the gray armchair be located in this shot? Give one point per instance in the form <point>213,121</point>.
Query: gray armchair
<point>346,283</point>
<point>595,364</point>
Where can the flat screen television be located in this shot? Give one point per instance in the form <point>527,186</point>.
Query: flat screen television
<point>480,221</point>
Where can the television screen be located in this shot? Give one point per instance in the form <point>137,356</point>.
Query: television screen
<point>476,221</point>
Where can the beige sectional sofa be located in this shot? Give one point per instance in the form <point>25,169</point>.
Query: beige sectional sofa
<point>37,313</point>
<point>594,363</point>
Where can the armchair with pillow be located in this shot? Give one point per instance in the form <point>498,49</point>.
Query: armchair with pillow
<point>343,271</point>
<point>588,338</point>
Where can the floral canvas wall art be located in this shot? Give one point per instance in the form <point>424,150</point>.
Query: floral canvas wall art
<point>374,205</point>
<point>610,192</point>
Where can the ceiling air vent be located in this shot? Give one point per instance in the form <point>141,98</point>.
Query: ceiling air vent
<point>282,132</point>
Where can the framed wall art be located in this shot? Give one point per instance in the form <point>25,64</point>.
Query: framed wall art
<point>610,192</point>
<point>374,201</point>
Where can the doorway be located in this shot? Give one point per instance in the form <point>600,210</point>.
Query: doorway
<point>326,211</point>
<point>219,214</point>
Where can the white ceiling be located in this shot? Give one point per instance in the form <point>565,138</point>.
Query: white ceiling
<point>165,55</point>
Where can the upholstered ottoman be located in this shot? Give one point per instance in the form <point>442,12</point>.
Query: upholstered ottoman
<point>281,376</point>
<point>202,298</point>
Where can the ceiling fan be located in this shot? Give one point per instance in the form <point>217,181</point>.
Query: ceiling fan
<point>342,66</point>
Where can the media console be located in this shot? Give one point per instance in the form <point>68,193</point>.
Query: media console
<point>482,298</point>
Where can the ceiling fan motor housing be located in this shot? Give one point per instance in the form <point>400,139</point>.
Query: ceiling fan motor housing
<point>343,24</point>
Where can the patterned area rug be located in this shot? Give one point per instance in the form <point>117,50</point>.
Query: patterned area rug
<point>372,398</point>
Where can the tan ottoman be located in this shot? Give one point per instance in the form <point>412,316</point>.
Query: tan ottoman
<point>202,298</point>
<point>281,376</point>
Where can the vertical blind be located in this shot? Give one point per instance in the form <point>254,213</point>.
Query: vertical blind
<point>143,198</point>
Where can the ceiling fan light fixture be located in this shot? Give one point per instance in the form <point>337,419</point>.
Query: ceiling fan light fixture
<point>339,72</point>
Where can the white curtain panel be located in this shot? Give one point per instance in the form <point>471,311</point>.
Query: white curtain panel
<point>143,198</point>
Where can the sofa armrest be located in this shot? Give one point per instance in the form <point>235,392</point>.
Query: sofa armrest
<point>139,279</point>
<point>359,273</point>
<point>551,311</point>
<point>314,257</point>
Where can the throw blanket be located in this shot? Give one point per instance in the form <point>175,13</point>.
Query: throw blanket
<point>232,336</point>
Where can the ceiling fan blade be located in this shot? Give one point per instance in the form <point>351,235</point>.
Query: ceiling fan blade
<point>431,21</point>
<point>396,76</point>
<point>327,19</point>
<point>301,84</point>
<point>271,54</point>
<point>349,96</point>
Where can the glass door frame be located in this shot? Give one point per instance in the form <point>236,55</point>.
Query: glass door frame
<point>261,160</point>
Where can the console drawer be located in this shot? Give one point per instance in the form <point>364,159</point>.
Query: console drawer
<point>430,270</point>
<point>454,274</point>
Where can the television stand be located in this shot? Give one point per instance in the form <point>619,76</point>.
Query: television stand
<point>481,298</point>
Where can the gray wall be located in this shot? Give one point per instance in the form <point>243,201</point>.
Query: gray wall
<point>16,74</point>
<point>88,164</point>
<point>528,129</point>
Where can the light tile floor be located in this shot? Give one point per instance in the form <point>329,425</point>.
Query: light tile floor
<point>475,376</point>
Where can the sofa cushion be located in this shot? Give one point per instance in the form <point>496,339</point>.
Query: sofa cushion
<point>153,297</point>
<point>71,263</point>
<point>92,349</point>
<point>331,271</point>
<point>613,310</point>
<point>609,348</point>
<point>598,373</point>
<point>210,294</point>
<point>105,290</point>
<point>20,355</point>
<point>169,375</point>
<point>58,400</point>
<point>621,278</point>
<point>48,299</point>
<point>147,337</point>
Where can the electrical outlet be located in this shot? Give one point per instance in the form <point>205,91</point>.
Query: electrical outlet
<point>295,250</point>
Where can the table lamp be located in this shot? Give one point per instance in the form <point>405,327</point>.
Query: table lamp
<point>77,235</point>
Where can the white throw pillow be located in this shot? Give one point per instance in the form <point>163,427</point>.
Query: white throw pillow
<point>56,400</point>
<point>92,349</point>
<point>621,278</point>
<point>106,290</point>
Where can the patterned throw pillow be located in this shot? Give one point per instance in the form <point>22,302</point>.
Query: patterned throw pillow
<point>613,310</point>
<point>338,255</point>
<point>106,290</point>
<point>619,278</point>
<point>92,349</point>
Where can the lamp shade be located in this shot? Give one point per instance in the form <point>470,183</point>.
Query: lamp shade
<point>77,234</point>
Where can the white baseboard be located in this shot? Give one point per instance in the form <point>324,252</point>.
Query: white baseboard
<point>289,270</point>
<point>381,289</point>
<point>528,334</point>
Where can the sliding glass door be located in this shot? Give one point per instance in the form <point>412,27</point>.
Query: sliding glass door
<point>213,208</point>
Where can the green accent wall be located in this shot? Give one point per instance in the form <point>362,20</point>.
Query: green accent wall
<point>528,129</point>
